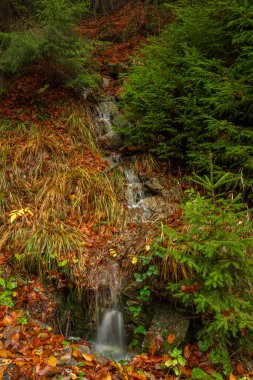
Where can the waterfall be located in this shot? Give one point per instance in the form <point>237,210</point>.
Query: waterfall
<point>110,340</point>
<point>135,195</point>
<point>134,192</point>
<point>103,119</point>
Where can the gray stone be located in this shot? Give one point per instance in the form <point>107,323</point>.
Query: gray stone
<point>84,349</point>
<point>166,323</point>
<point>106,82</point>
<point>157,205</point>
<point>110,140</point>
<point>99,358</point>
<point>154,185</point>
<point>67,359</point>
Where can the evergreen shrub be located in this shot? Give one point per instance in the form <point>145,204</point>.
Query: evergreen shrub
<point>190,91</point>
<point>215,247</point>
<point>48,35</point>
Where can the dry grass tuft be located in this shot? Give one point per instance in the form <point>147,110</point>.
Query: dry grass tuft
<point>54,171</point>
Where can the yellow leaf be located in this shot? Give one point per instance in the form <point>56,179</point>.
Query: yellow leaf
<point>52,361</point>
<point>107,377</point>
<point>147,248</point>
<point>29,211</point>
<point>112,252</point>
<point>49,328</point>
<point>13,217</point>
<point>73,376</point>
<point>14,294</point>
<point>134,260</point>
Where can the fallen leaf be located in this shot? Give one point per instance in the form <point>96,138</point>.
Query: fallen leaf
<point>189,289</point>
<point>232,377</point>
<point>52,361</point>
<point>138,376</point>
<point>8,320</point>
<point>134,260</point>
<point>171,338</point>
<point>240,369</point>
<point>187,352</point>
<point>87,357</point>
<point>6,354</point>
<point>152,349</point>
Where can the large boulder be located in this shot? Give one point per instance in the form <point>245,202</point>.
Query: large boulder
<point>170,190</point>
<point>167,331</point>
<point>157,206</point>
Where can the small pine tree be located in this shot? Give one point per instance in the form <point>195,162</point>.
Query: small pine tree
<point>216,246</point>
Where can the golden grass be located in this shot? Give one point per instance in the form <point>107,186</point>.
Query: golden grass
<point>36,174</point>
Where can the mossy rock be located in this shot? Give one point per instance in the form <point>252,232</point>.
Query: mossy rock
<point>167,331</point>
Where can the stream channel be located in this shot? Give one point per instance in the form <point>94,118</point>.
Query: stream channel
<point>109,340</point>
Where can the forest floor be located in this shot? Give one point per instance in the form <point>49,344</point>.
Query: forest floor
<point>30,344</point>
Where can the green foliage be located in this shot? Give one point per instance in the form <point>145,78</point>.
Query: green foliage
<point>211,257</point>
<point>50,37</point>
<point>190,91</point>
<point>216,246</point>
<point>176,361</point>
<point>198,373</point>
<point>6,290</point>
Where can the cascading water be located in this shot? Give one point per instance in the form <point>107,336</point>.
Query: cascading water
<point>110,340</point>
<point>135,194</point>
<point>103,119</point>
<point>134,191</point>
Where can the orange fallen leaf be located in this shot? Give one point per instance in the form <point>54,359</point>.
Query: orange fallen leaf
<point>75,353</point>
<point>8,320</point>
<point>52,361</point>
<point>187,352</point>
<point>138,376</point>
<point>6,354</point>
<point>171,338</point>
<point>87,357</point>
<point>232,377</point>
<point>240,369</point>
<point>189,289</point>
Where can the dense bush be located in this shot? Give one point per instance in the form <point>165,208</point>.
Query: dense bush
<point>211,256</point>
<point>47,33</point>
<point>190,91</point>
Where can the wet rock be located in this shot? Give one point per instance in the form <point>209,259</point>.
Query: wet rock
<point>171,191</point>
<point>157,206</point>
<point>112,161</point>
<point>67,359</point>
<point>99,358</point>
<point>168,330</point>
<point>105,82</point>
<point>84,349</point>
<point>110,140</point>
<point>154,185</point>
